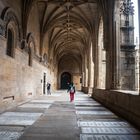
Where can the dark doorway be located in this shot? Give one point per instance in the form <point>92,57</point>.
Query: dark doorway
<point>44,84</point>
<point>65,79</point>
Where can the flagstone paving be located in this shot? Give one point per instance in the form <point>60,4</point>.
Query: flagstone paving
<point>53,117</point>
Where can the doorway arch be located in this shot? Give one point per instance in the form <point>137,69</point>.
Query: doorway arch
<point>65,79</point>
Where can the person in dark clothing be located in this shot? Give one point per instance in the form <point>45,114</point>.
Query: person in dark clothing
<point>71,90</point>
<point>48,88</point>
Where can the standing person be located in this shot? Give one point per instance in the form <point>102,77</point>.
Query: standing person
<point>48,88</point>
<point>71,90</point>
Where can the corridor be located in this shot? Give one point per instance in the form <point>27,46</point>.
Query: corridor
<point>53,117</point>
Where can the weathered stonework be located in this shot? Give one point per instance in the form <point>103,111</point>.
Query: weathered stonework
<point>50,39</point>
<point>2,28</point>
<point>19,82</point>
<point>126,104</point>
<point>127,48</point>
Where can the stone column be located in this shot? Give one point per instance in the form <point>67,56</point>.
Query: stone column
<point>90,69</point>
<point>127,47</point>
<point>83,78</point>
<point>116,42</point>
<point>85,74</point>
<point>108,46</point>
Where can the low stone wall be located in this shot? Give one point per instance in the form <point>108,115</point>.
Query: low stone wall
<point>126,105</point>
<point>85,90</point>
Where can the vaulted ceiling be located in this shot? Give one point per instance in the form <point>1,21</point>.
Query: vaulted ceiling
<point>69,24</point>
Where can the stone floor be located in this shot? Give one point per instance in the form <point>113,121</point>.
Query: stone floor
<point>53,117</point>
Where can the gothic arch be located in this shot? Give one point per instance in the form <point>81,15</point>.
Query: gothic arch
<point>8,16</point>
<point>66,78</point>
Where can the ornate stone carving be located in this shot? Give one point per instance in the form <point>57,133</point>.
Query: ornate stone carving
<point>31,42</point>
<point>127,7</point>
<point>23,44</point>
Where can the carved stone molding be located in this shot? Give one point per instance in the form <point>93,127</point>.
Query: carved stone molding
<point>8,15</point>
<point>127,7</point>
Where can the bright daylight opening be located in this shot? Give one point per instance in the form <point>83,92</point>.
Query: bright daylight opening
<point>136,39</point>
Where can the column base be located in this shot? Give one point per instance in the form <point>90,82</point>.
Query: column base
<point>90,90</point>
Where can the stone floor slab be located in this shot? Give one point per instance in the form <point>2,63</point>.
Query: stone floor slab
<point>7,135</point>
<point>86,104</point>
<point>109,137</point>
<point>12,128</point>
<point>54,95</point>
<point>103,124</point>
<point>18,118</point>
<point>95,112</point>
<point>90,107</point>
<point>33,105</point>
<point>42,101</point>
<point>89,130</point>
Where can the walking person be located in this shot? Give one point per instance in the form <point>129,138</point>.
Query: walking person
<point>71,90</point>
<point>48,88</point>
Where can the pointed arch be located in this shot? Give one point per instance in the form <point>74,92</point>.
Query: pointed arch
<point>8,15</point>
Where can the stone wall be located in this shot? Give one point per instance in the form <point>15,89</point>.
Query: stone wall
<point>19,81</point>
<point>76,81</point>
<point>126,105</point>
<point>71,66</point>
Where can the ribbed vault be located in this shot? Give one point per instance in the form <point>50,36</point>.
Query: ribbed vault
<point>69,24</point>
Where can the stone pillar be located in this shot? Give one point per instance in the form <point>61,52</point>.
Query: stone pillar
<point>116,50</point>
<point>83,78</point>
<point>83,72</point>
<point>86,73</point>
<point>108,44</point>
<point>90,69</point>
<point>127,47</point>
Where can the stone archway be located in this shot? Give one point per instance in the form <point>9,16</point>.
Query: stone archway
<point>65,79</point>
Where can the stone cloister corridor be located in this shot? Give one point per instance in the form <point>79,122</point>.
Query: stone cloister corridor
<point>92,43</point>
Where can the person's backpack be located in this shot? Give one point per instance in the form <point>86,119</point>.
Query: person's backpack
<point>72,89</point>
